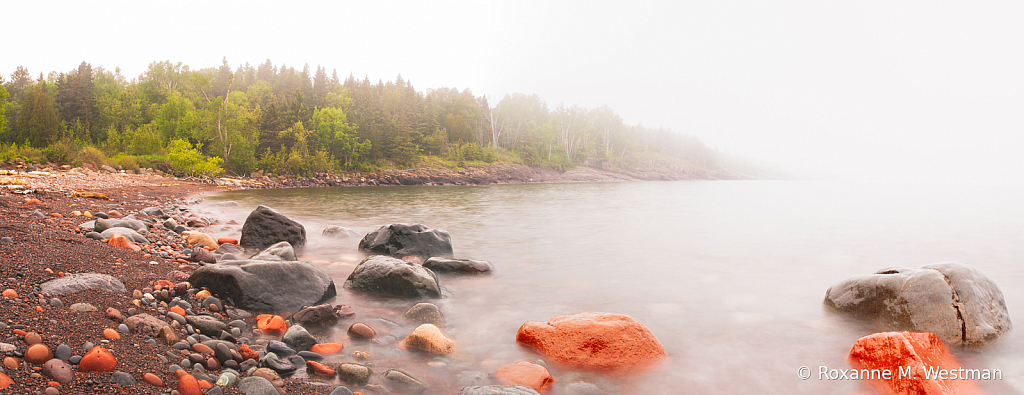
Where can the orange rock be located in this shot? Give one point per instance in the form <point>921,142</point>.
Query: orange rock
<point>180,373</point>
<point>205,384</point>
<point>38,354</point>
<point>188,385</point>
<point>19,332</point>
<point>164,283</point>
<point>248,353</point>
<point>33,201</point>
<point>111,334</point>
<point>429,338</point>
<point>177,309</point>
<point>612,343</point>
<point>5,381</point>
<point>10,293</point>
<point>56,215</point>
<point>98,359</point>
<point>118,240</point>
<point>526,373</point>
<point>153,380</point>
<point>320,369</point>
<point>202,349</point>
<point>12,363</point>
<point>227,240</point>
<point>271,324</point>
<point>932,369</point>
<point>327,348</point>
<point>40,309</point>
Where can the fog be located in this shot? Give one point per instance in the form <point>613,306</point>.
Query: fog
<point>868,90</point>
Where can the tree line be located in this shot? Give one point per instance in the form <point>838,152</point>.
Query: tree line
<point>283,120</point>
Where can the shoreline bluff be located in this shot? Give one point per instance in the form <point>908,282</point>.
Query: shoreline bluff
<point>128,342</point>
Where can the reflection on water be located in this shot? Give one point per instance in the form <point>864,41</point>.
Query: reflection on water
<point>728,275</point>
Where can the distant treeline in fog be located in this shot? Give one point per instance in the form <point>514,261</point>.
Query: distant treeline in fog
<point>288,121</point>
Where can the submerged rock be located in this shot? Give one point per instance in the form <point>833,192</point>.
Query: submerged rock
<point>457,266</point>
<point>385,276</point>
<point>265,227</point>
<point>340,232</point>
<point>606,342</point>
<point>498,390</point>
<point>895,351</point>
<point>266,285</point>
<point>400,240</point>
<point>952,300</point>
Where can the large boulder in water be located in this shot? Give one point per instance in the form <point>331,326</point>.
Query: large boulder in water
<point>400,240</point>
<point>605,342</point>
<point>282,251</point>
<point>265,227</point>
<point>266,285</point>
<point>915,353</point>
<point>386,276</point>
<point>952,300</point>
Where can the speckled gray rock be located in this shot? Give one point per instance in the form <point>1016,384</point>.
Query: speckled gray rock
<point>386,276</point>
<point>402,382</point>
<point>266,286</point>
<point>399,240</point>
<point>498,390</point>
<point>298,338</point>
<point>255,385</point>
<point>207,325</point>
<point>952,300</point>
<point>78,282</point>
<point>58,370</point>
<point>341,390</point>
<point>354,373</point>
<point>122,378</point>
<point>145,324</point>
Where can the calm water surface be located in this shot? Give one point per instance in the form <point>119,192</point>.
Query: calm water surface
<point>729,275</point>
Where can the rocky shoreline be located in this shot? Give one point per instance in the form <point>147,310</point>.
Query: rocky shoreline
<point>121,311</point>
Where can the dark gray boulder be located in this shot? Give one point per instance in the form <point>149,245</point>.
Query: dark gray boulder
<point>400,240</point>
<point>385,276</point>
<point>207,324</point>
<point>498,390</point>
<point>282,251</point>
<point>72,283</point>
<point>265,227</point>
<point>952,300</point>
<point>457,266</point>
<point>126,232</point>
<point>266,286</point>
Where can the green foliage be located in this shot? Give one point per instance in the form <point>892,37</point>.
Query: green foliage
<point>92,155</point>
<point>3,107</point>
<point>189,161</point>
<point>63,151</point>
<point>29,154</point>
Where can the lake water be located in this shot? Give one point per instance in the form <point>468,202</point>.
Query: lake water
<point>729,275</point>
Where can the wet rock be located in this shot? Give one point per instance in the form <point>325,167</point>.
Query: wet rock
<point>266,285</point>
<point>275,362</point>
<point>466,379</point>
<point>228,248</point>
<point>340,232</point>
<point>282,251</point>
<point>320,369</point>
<point>227,240</point>
<point>122,378</point>
<point>207,325</point>
<point>59,371</point>
<point>354,373</point>
<point>327,348</point>
<point>607,342</point>
<point>917,351</point>
<point>955,301</point>
<point>120,241</point>
<point>341,390</point>
<point>145,324</point>
<point>197,223</point>
<point>212,303</point>
<point>402,382</point>
<point>200,239</point>
<point>457,266</point>
<point>280,348</point>
<point>265,227</point>
<point>399,240</point>
<point>188,385</point>
<point>152,212</point>
<point>424,313</point>
<point>37,354</point>
<point>202,255</point>
<point>298,338</point>
<point>385,276</point>
<point>317,317</point>
<point>256,385</point>
<point>98,359</point>
<point>126,232</point>
<point>498,390</point>
<point>360,331</point>
<point>428,338</point>
<point>526,373</point>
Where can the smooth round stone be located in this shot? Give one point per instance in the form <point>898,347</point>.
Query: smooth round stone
<point>311,356</point>
<point>238,324</point>
<point>88,346</point>
<point>280,348</point>
<point>63,351</point>
<point>341,390</point>
<point>55,302</point>
<point>58,371</point>
<point>177,317</point>
<point>298,361</point>
<point>123,328</point>
<point>182,345</point>
<point>223,353</point>
<point>37,354</point>
<point>51,391</point>
<point>75,359</point>
<point>33,338</point>
<point>122,378</point>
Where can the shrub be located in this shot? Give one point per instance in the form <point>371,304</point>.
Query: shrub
<point>187,160</point>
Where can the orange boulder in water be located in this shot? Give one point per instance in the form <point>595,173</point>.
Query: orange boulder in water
<point>118,240</point>
<point>905,363</point>
<point>526,373</point>
<point>606,342</point>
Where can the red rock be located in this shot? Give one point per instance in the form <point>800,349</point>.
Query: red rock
<point>33,338</point>
<point>327,348</point>
<point>177,309</point>
<point>227,240</point>
<point>5,381</point>
<point>11,363</point>
<point>19,332</point>
<point>271,324</point>
<point>57,215</point>
<point>248,353</point>
<point>202,349</point>
<point>153,380</point>
<point>98,359</point>
<point>111,334</point>
<point>114,214</point>
<point>118,240</point>
<point>38,354</point>
<point>114,314</point>
<point>33,201</point>
<point>205,384</point>
<point>892,351</point>
<point>526,373</point>
<point>188,385</point>
<point>320,369</point>
<point>611,343</point>
<point>10,293</point>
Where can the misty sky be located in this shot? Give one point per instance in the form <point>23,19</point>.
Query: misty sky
<point>824,89</point>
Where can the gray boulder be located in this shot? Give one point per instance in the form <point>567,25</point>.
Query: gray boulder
<point>400,240</point>
<point>207,325</point>
<point>457,266</point>
<point>72,283</point>
<point>298,338</point>
<point>126,232</point>
<point>130,223</point>
<point>282,251</point>
<point>228,248</point>
<point>266,286</point>
<point>265,227</point>
<point>498,390</point>
<point>952,300</point>
<point>385,276</point>
<point>340,232</point>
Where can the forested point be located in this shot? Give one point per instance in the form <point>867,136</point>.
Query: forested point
<point>282,121</point>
